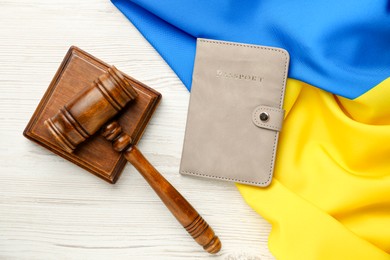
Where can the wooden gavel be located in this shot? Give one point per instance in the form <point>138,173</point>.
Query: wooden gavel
<point>94,106</point>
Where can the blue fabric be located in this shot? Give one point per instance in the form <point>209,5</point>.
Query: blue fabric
<point>340,46</point>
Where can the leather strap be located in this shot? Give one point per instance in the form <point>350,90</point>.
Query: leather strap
<point>268,117</point>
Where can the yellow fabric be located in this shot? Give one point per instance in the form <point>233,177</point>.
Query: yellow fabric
<point>330,196</point>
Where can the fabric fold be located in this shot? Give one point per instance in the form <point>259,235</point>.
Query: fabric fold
<point>330,198</point>
<point>302,231</point>
<point>175,46</point>
<point>341,47</point>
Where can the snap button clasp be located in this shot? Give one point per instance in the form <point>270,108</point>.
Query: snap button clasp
<point>264,116</point>
<point>268,117</point>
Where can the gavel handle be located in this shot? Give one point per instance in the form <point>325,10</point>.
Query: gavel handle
<point>175,202</point>
<point>196,226</point>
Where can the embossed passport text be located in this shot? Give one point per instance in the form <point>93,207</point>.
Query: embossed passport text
<point>235,112</point>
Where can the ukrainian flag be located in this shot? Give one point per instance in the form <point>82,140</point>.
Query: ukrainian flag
<point>330,197</point>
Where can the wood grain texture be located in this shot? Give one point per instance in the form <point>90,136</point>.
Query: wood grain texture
<point>183,211</point>
<point>51,209</point>
<point>78,72</point>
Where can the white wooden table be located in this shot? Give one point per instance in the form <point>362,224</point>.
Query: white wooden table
<point>52,209</point>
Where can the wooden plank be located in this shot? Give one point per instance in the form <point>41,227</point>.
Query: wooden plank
<point>51,209</point>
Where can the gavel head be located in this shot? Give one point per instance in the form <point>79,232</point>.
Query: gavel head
<point>88,111</point>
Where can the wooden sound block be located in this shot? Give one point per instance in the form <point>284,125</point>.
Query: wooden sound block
<point>78,70</point>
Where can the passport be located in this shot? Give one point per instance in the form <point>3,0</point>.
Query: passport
<point>235,112</point>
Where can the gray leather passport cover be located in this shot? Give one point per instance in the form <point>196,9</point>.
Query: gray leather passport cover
<point>235,112</point>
